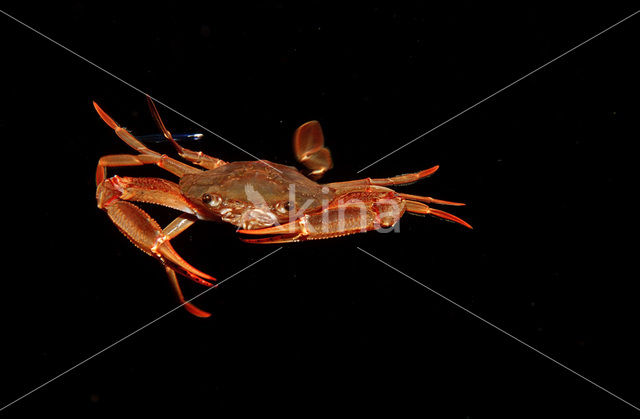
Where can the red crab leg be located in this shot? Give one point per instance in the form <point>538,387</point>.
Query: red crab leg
<point>147,156</point>
<point>177,226</point>
<point>176,287</point>
<point>429,200</point>
<point>120,160</point>
<point>197,157</point>
<point>397,180</point>
<point>419,208</point>
<point>142,189</point>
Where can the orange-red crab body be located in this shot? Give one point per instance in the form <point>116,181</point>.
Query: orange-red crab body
<point>262,198</point>
<point>252,194</point>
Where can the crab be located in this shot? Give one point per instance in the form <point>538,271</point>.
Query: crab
<point>277,203</point>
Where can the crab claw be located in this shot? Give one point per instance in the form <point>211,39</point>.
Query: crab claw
<point>169,257</point>
<point>146,234</point>
<point>419,208</point>
<point>187,305</point>
<point>446,216</point>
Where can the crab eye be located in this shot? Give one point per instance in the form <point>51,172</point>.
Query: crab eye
<point>212,200</point>
<point>283,207</point>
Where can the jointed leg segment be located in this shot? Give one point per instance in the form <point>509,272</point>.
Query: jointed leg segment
<point>396,180</point>
<point>197,157</point>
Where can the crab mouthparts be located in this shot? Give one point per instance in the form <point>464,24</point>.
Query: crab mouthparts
<point>257,218</point>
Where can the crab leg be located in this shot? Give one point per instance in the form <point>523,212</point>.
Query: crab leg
<point>429,200</point>
<point>397,180</point>
<point>420,208</point>
<point>146,156</point>
<point>171,274</point>
<point>122,160</point>
<point>197,157</point>
<point>177,226</point>
<point>142,189</point>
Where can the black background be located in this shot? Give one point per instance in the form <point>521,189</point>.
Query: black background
<point>546,168</point>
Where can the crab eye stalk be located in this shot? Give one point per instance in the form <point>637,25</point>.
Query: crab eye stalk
<point>283,207</point>
<point>212,200</point>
